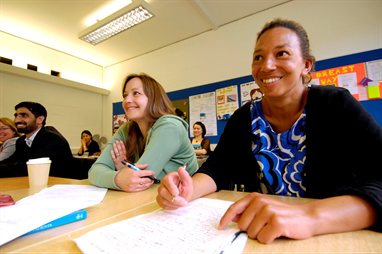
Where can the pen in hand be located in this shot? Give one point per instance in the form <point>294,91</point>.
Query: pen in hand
<point>135,168</point>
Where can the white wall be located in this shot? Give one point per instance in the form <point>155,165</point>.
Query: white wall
<point>70,110</point>
<point>24,52</point>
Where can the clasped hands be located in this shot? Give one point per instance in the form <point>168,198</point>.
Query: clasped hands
<point>263,217</point>
<point>127,179</point>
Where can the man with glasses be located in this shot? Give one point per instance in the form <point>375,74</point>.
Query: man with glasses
<point>38,141</point>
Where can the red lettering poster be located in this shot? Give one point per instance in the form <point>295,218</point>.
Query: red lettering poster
<point>351,77</point>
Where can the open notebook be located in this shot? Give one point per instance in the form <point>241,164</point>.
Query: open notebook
<point>192,229</point>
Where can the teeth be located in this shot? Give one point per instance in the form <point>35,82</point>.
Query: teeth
<point>267,81</point>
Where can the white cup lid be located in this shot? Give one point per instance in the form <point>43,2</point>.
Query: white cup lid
<point>39,160</point>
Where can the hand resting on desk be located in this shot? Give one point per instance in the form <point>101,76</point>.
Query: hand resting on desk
<point>175,190</point>
<point>126,178</point>
<point>266,218</point>
<point>132,181</point>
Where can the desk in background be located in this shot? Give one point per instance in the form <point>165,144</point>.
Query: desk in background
<point>22,183</point>
<point>81,167</point>
<point>119,205</point>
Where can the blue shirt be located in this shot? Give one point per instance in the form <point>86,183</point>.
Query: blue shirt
<point>281,156</point>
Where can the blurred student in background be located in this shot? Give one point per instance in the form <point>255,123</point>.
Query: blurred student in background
<point>154,138</point>
<point>297,140</point>
<point>39,141</point>
<point>8,137</point>
<point>88,145</point>
<point>181,114</point>
<point>201,144</point>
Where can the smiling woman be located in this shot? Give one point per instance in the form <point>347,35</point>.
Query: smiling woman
<point>88,145</point>
<point>8,137</point>
<point>154,138</point>
<point>296,140</point>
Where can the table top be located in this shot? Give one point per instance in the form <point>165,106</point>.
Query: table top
<point>119,205</point>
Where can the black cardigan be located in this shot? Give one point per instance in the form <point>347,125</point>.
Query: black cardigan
<point>343,150</point>
<point>47,143</point>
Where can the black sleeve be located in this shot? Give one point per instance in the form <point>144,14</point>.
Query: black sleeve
<point>56,147</point>
<point>344,145</point>
<point>13,169</point>
<point>15,165</point>
<point>232,161</point>
<point>93,148</point>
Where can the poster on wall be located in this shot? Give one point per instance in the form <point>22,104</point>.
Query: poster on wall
<point>202,108</point>
<point>352,77</point>
<point>249,91</point>
<point>118,120</point>
<point>226,102</point>
<point>374,70</point>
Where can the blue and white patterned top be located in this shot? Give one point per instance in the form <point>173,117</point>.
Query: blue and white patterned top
<point>281,156</point>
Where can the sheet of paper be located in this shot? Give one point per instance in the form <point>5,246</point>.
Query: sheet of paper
<point>192,229</point>
<point>45,206</point>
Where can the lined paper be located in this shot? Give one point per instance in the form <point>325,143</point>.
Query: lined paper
<point>191,229</point>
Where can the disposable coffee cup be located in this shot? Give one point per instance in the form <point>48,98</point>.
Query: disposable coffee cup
<point>38,172</point>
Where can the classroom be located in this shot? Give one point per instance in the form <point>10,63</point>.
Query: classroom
<point>81,89</point>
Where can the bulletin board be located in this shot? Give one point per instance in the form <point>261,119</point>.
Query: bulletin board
<point>186,93</point>
<point>226,102</point>
<point>354,77</point>
<point>202,109</point>
<point>357,71</point>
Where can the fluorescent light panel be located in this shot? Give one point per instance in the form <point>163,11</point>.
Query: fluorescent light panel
<point>117,25</point>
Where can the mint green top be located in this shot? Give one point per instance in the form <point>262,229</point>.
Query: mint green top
<point>167,148</point>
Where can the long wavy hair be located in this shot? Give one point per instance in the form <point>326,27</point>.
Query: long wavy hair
<point>158,105</point>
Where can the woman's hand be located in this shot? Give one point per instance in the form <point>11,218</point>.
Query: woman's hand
<point>200,152</point>
<point>175,190</point>
<point>132,181</point>
<point>118,154</point>
<point>265,219</point>
<point>82,148</point>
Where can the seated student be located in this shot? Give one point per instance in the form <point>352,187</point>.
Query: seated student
<point>180,113</point>
<point>154,138</point>
<point>297,140</point>
<point>88,144</point>
<point>201,144</point>
<point>38,141</point>
<point>8,137</point>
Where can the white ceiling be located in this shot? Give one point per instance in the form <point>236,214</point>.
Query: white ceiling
<point>57,23</point>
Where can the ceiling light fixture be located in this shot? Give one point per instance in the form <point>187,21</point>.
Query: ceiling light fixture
<point>115,24</point>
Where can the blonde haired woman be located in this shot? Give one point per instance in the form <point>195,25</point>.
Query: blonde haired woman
<point>8,137</point>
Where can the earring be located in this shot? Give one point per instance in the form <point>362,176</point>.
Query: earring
<point>306,78</point>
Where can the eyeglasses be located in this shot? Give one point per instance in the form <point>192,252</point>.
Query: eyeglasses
<point>4,128</point>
